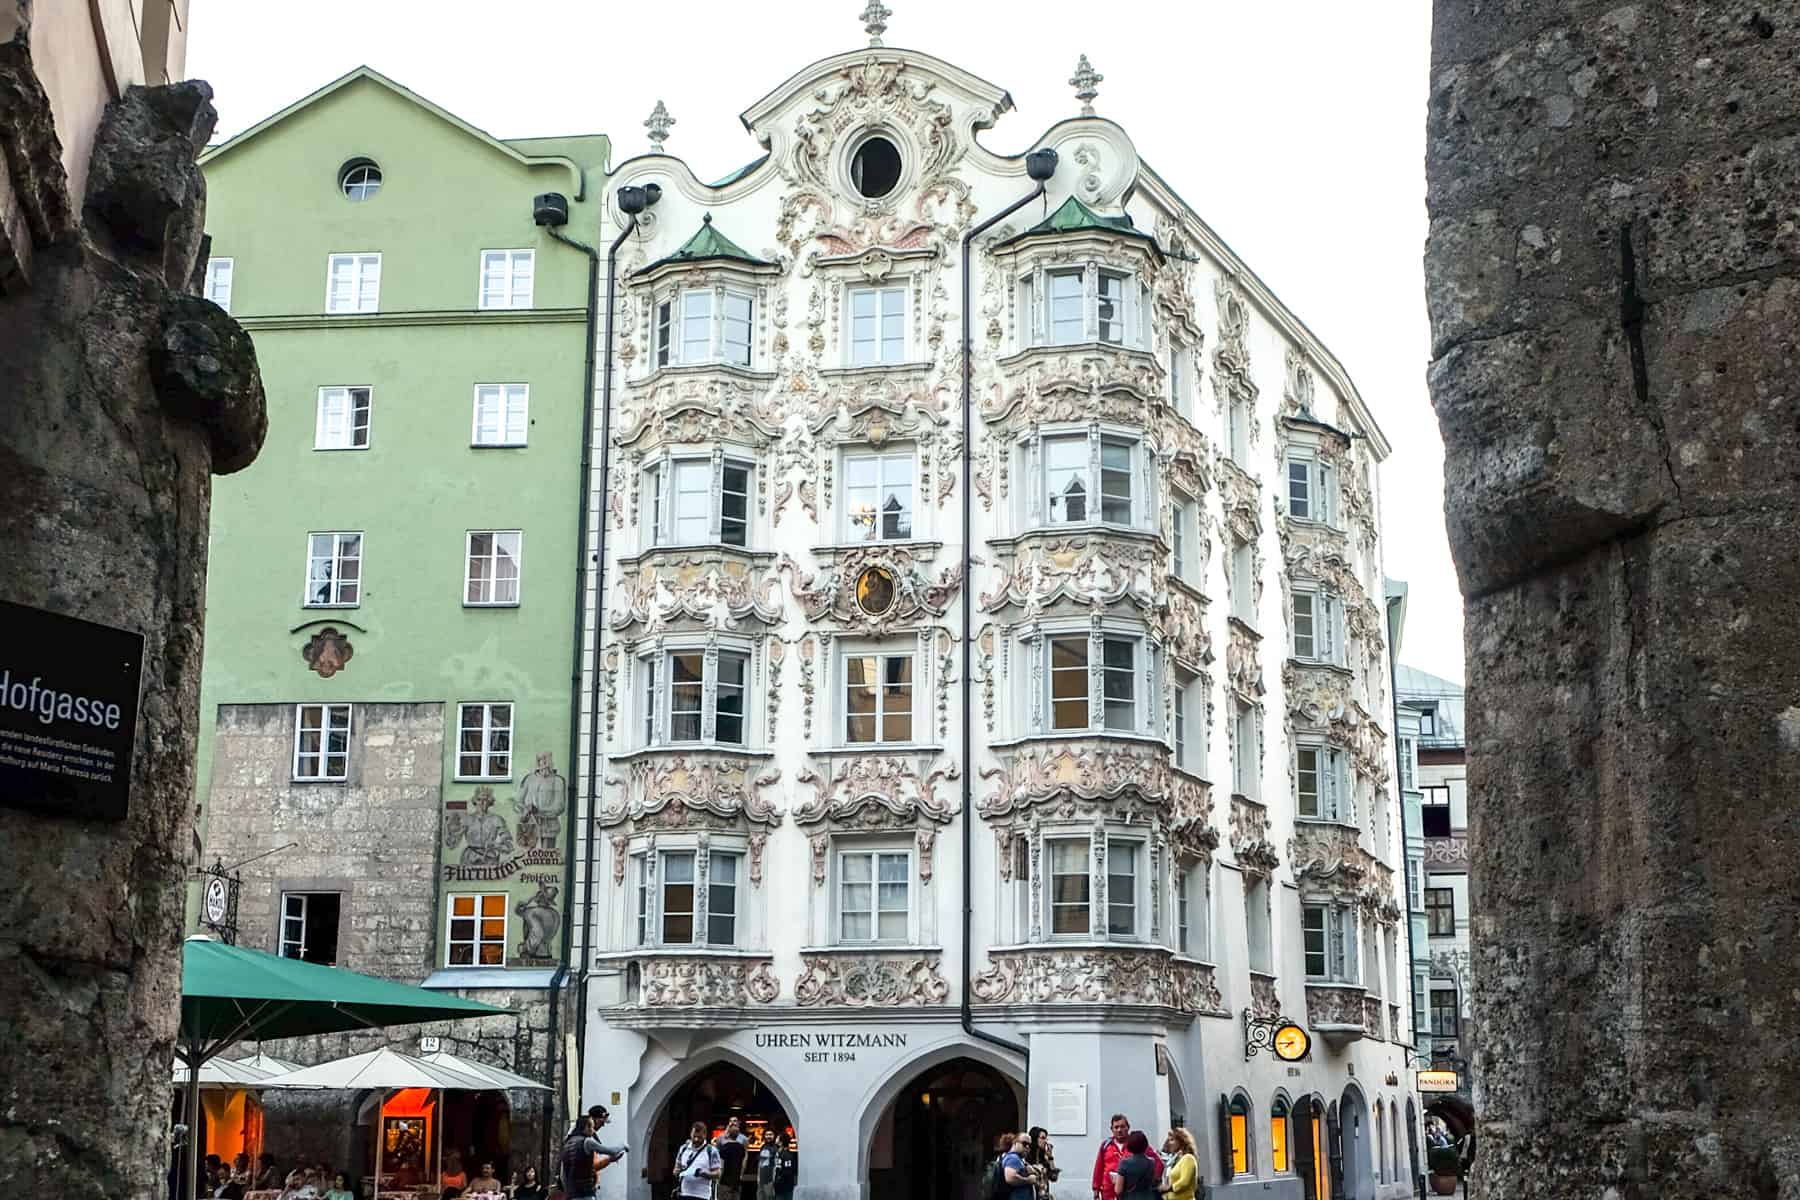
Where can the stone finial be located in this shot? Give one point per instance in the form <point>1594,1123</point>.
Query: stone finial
<point>659,123</point>
<point>1085,82</point>
<point>874,19</point>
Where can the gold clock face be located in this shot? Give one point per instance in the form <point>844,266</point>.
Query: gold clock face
<point>1291,1043</point>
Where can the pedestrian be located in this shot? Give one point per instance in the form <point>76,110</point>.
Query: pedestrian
<point>1134,1178</point>
<point>785,1171</point>
<point>1017,1177</point>
<point>581,1159</point>
<point>608,1154</point>
<point>1181,1174</point>
<point>1042,1154</point>
<point>734,1148</point>
<point>765,1163</point>
<point>340,1188</point>
<point>530,1186</point>
<point>267,1178</point>
<point>697,1164</point>
<point>453,1173</point>
<point>486,1182</point>
<point>1112,1152</point>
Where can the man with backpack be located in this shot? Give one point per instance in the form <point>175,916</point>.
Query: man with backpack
<point>582,1156</point>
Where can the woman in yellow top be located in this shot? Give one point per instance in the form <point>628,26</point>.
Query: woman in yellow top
<point>1181,1170</point>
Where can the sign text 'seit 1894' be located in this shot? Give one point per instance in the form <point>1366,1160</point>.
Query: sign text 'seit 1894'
<point>68,713</point>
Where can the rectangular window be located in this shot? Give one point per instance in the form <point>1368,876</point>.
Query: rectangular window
<point>696,327</point>
<point>1071,479</point>
<point>1259,939</point>
<point>873,895</point>
<point>1067,318</point>
<point>1245,751</point>
<point>1181,723</point>
<point>736,332</point>
<point>1070,887</point>
<point>1237,431</point>
<point>333,570</point>
<point>734,504</point>
<point>1181,518</point>
<point>685,698</point>
<point>1178,379</point>
<point>1328,936</point>
<point>1239,1113</point>
<point>1111,302</point>
<point>484,741</point>
<point>477,933</point>
<point>1116,470</point>
<point>721,899</point>
<point>321,741</point>
<point>877,326</point>
<point>1066,479</point>
<point>506,277</point>
<point>1243,582</point>
<point>343,419</point>
<point>878,496</point>
<point>1069,682</point>
<point>1305,625</point>
<point>1434,812</point>
<point>677,897</point>
<point>1118,685</point>
<point>682,501</point>
<point>1440,911</point>
<point>502,414</point>
<point>1181,911</point>
<point>492,567</point>
<point>309,927</point>
<point>1427,720</point>
<point>664,324</point>
<point>1319,783</point>
<point>1072,677</point>
<point>218,282</point>
<point>1408,763</point>
<point>640,874</point>
<point>878,698</point>
<point>1121,887</point>
<point>1314,626</point>
<point>1443,1012</point>
<point>353,283</point>
<point>691,501</point>
<point>1315,932</point>
<point>1300,489</point>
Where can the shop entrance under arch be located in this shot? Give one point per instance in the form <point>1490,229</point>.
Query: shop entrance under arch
<point>712,1096</point>
<point>936,1138</point>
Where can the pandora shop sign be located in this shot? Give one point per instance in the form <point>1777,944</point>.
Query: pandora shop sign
<point>830,1046</point>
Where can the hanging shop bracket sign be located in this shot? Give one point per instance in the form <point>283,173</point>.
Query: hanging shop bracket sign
<point>1283,1038</point>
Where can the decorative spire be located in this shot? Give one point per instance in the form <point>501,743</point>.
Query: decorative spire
<point>874,19</point>
<point>1085,83</point>
<point>658,124</point>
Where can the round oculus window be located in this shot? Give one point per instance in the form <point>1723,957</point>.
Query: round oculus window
<point>875,167</point>
<point>875,591</point>
<point>359,179</point>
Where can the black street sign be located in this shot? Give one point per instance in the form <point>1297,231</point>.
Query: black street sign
<point>68,713</point>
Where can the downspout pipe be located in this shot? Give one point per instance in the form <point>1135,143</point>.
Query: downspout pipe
<point>1040,165</point>
<point>587,424</point>
<point>632,201</point>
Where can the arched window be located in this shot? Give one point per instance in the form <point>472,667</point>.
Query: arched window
<point>1278,1134</point>
<point>1238,1133</point>
<point>1378,1151</point>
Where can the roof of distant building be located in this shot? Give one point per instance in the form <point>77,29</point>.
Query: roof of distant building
<point>1422,689</point>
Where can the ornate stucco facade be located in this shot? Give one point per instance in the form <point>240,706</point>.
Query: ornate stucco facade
<point>1181,810</point>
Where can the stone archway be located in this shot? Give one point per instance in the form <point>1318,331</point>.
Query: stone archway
<point>711,1093</point>
<point>1355,1142</point>
<point>929,1130</point>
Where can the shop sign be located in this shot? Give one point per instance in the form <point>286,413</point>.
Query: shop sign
<point>68,713</point>
<point>1437,1081</point>
<point>831,1047</point>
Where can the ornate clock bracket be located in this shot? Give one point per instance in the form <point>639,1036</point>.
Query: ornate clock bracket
<point>1259,1034</point>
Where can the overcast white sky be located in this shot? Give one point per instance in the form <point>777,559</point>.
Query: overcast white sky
<point>1296,129</point>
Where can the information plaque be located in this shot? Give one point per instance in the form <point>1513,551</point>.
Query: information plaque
<point>68,713</point>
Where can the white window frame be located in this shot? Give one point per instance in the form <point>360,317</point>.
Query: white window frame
<point>1144,673</point>
<point>1138,927</point>
<point>497,553</point>
<point>1180,379</point>
<point>1338,925</point>
<point>492,728</point>
<point>876,853</point>
<point>1325,620</point>
<point>218,281</point>
<point>510,404</point>
<point>1245,746</point>
<point>1039,297</point>
<point>1331,798</point>
<point>1182,532</point>
<point>1182,914</point>
<point>1240,415</point>
<point>663,883</point>
<point>321,723</point>
<point>284,941</point>
<point>655,698</point>
<point>1242,566</point>
<point>365,281</point>
<point>880,654</point>
<point>1259,927</point>
<point>1093,475</point>
<point>669,340</point>
<point>715,861</point>
<point>509,276</point>
<point>1086,842</point>
<point>904,461</point>
<point>336,557</point>
<point>640,885</point>
<point>1187,733</point>
<point>343,417</point>
<point>1317,488</point>
<point>884,351</point>
<point>658,481</point>
<point>481,939</point>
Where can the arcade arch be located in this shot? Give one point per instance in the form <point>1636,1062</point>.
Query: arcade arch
<point>930,1127</point>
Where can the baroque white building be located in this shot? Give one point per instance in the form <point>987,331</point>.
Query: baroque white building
<point>1146,595</point>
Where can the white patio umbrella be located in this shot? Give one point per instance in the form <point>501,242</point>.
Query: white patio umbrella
<point>503,1079</point>
<point>223,1072</point>
<point>386,1071</point>
<point>268,1064</point>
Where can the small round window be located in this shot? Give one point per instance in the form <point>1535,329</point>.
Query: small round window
<point>359,179</point>
<point>875,167</point>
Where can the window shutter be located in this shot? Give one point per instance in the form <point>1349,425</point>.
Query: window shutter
<point>1226,1165</point>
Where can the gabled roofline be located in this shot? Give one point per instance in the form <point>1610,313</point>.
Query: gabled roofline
<point>576,173</point>
<point>989,93</point>
<point>1265,299</point>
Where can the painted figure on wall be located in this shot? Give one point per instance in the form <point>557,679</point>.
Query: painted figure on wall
<point>540,918</point>
<point>486,838</point>
<point>542,802</point>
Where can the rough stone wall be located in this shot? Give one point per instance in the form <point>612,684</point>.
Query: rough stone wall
<point>301,1126</point>
<point>1615,305</point>
<point>373,837</point>
<point>123,393</point>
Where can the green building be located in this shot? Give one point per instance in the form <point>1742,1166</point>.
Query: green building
<point>392,599</point>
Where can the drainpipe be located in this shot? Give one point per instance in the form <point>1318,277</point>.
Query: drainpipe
<point>632,201</point>
<point>547,218</point>
<point>1040,165</point>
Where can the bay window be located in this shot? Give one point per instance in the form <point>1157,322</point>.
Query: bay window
<point>1062,309</point>
<point>722,899</point>
<point>874,895</point>
<point>1321,783</point>
<point>699,500</point>
<point>1316,625</point>
<point>1123,868</point>
<point>1070,887</point>
<point>677,897</point>
<point>704,325</point>
<point>878,496</point>
<point>1091,476</point>
<point>1078,663</point>
<point>1329,941</point>
<point>684,896</point>
<point>694,695</point>
<point>1311,488</point>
